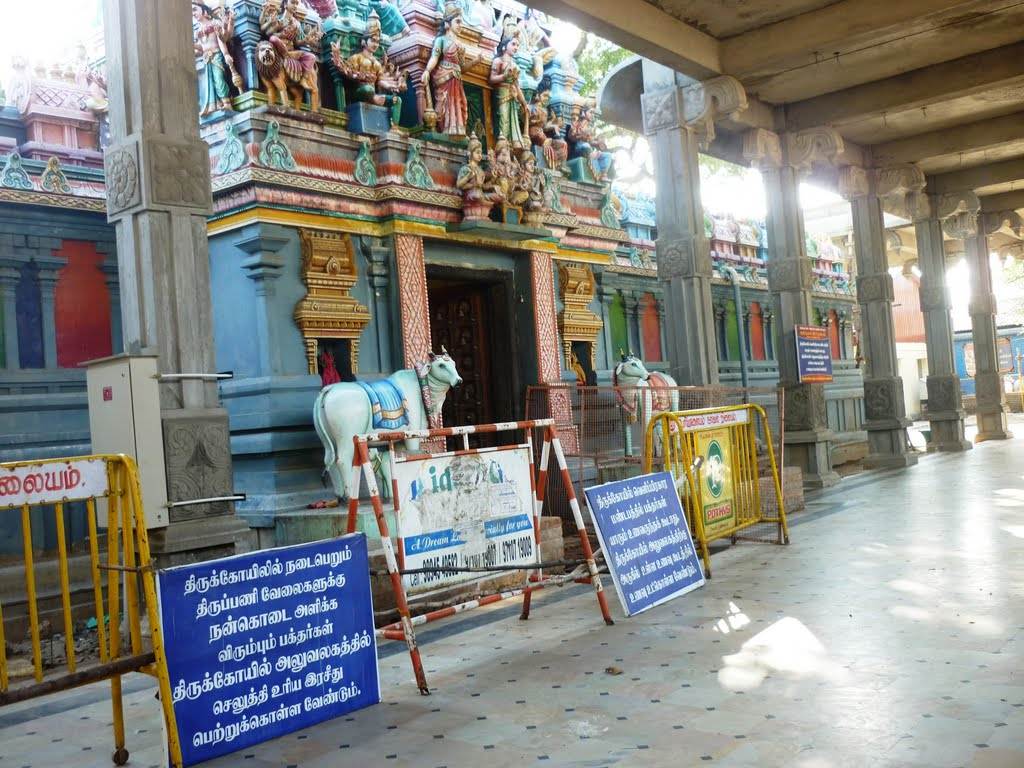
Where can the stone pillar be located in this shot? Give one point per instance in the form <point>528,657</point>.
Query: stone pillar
<point>412,291</point>
<point>549,354</point>
<point>790,281</point>
<point>47,287</point>
<point>9,277</point>
<point>884,410</point>
<point>114,292</point>
<point>263,265</point>
<point>988,381</point>
<point>945,405</point>
<point>158,196</point>
<point>678,120</point>
<point>633,330</point>
<point>605,295</point>
<point>378,274</point>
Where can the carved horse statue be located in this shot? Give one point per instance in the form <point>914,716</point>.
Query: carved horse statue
<point>643,394</point>
<point>407,399</point>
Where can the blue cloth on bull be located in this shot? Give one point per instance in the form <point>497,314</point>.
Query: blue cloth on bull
<point>390,411</point>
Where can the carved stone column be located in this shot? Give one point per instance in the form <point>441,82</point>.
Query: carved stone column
<point>884,410</point>
<point>47,288</point>
<point>988,381</point>
<point>9,277</point>
<point>412,291</point>
<point>114,291</point>
<point>678,120</point>
<point>945,405</point>
<point>158,196</point>
<point>790,280</point>
<point>263,266</point>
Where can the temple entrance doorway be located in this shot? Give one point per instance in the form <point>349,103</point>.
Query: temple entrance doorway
<point>471,316</point>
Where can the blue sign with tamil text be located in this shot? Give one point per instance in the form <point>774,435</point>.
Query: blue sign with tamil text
<point>645,540</point>
<point>263,644</point>
<point>813,354</point>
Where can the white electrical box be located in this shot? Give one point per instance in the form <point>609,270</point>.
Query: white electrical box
<point>124,417</point>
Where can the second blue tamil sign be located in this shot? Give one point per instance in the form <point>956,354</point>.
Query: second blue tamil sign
<point>645,540</point>
<point>263,644</point>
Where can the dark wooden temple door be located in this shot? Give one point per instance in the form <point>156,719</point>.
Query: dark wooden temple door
<point>458,322</point>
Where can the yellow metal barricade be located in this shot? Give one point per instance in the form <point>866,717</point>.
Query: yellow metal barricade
<point>48,486</point>
<point>713,455</point>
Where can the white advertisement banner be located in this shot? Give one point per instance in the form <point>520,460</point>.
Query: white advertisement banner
<point>471,510</point>
<point>52,482</point>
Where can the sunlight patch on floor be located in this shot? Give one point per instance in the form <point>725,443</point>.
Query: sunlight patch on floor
<point>787,647</point>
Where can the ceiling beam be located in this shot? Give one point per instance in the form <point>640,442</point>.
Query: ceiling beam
<point>1004,201</point>
<point>972,137</point>
<point>644,29</point>
<point>989,175</point>
<point>922,87</point>
<point>836,29</point>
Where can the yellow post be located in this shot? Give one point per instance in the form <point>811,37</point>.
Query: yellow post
<point>113,605</point>
<point>30,587</point>
<point>3,653</point>
<point>97,584</point>
<point>65,587</point>
<point>149,586</point>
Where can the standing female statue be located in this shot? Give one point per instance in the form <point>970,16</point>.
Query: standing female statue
<point>444,73</point>
<point>510,104</point>
<point>211,45</point>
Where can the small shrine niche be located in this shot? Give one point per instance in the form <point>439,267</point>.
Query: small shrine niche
<point>331,321</point>
<point>578,325</point>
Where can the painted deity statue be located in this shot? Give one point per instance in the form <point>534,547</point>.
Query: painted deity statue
<point>510,107</point>
<point>392,23</point>
<point>535,49</point>
<point>287,59</point>
<point>585,143</point>
<point>547,130</point>
<point>478,192</point>
<point>443,76</point>
<point>504,169</point>
<point>377,82</point>
<point>532,188</point>
<point>212,35</point>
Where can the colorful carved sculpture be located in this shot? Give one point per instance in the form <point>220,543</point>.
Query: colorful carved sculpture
<point>212,35</point>
<point>286,60</point>
<point>532,188</point>
<point>504,170</point>
<point>478,192</point>
<point>643,394</point>
<point>547,130</point>
<point>392,23</point>
<point>510,107</point>
<point>583,142</point>
<point>345,409</point>
<point>442,77</point>
<point>377,82</point>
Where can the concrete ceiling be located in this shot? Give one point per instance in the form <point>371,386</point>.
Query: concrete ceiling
<point>939,83</point>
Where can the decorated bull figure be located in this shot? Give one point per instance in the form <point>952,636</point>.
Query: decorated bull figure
<point>408,399</point>
<point>643,394</point>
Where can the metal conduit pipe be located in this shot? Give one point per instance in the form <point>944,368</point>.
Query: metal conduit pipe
<point>734,278</point>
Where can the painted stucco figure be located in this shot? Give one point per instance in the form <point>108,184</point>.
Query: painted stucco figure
<point>510,108</point>
<point>212,35</point>
<point>346,409</point>
<point>377,82</point>
<point>443,76</point>
<point>287,59</point>
<point>583,142</point>
<point>547,130</point>
<point>478,192</point>
<point>392,23</point>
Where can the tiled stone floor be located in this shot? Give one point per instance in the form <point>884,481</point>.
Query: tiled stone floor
<point>887,634</point>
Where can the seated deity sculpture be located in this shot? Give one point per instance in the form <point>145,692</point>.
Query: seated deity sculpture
<point>547,130</point>
<point>479,193</point>
<point>377,82</point>
<point>583,142</point>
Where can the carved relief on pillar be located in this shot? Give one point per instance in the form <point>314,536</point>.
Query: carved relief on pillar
<point>762,148</point>
<point>679,258</point>
<point>412,291</point>
<point>902,188</point>
<point>695,106</point>
<point>854,182</point>
<point>944,393</point>
<point>876,287</point>
<point>814,145</point>
<point>1002,222</point>
<point>576,322</point>
<point>934,297</point>
<point>327,311</point>
<point>546,333</point>
<point>790,275</point>
<point>806,409</point>
<point>988,388</point>
<point>882,398</point>
<point>198,459</point>
<point>959,214</point>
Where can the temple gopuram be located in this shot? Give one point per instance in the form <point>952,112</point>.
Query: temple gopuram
<point>387,179</point>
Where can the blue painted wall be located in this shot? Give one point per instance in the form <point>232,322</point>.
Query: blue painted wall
<point>961,338</point>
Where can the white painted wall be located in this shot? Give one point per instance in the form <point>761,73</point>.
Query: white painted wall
<point>912,359</point>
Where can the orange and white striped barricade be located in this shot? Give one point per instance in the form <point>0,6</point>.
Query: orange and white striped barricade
<point>515,459</point>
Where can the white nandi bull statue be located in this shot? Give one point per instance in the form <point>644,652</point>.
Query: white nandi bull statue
<point>407,399</point>
<point>643,394</point>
